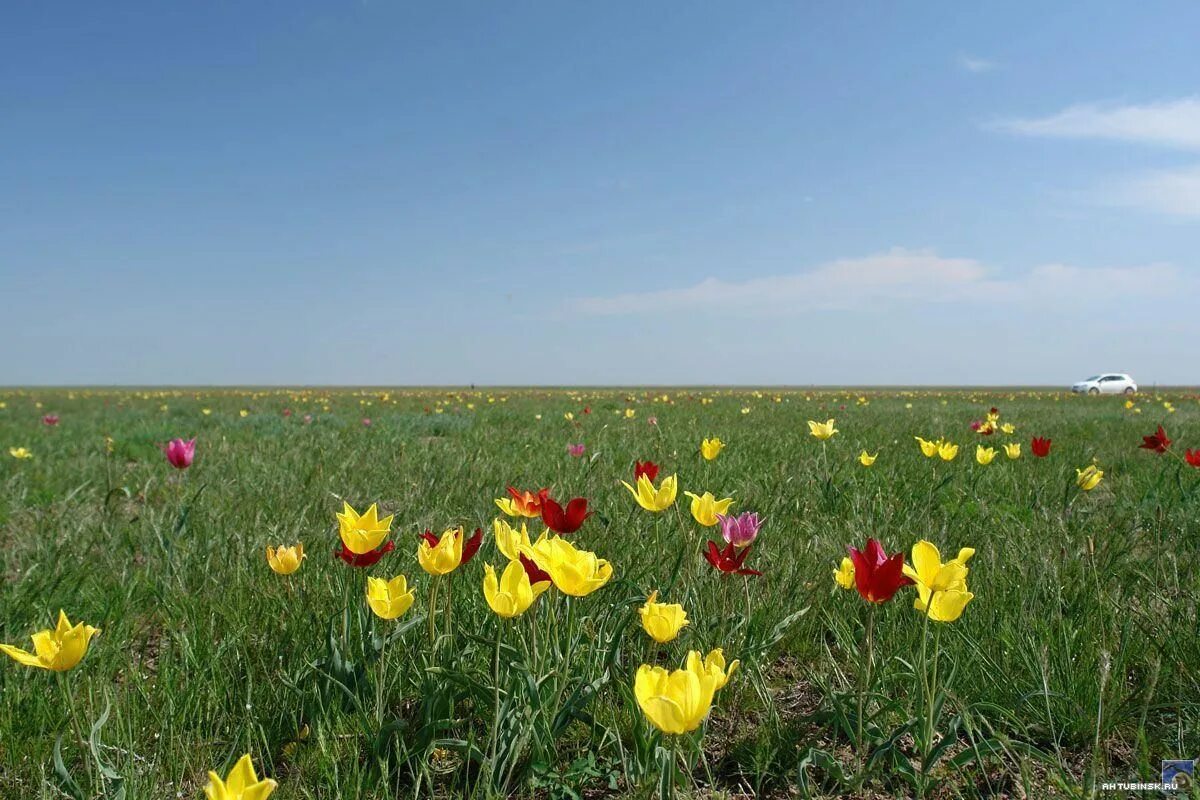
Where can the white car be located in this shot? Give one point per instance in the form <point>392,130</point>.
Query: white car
<point>1107,383</point>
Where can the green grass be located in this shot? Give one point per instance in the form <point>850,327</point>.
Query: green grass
<point>1076,662</point>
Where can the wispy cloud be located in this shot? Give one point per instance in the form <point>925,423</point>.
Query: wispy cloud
<point>1175,192</point>
<point>1172,123</point>
<point>897,276</point>
<point>975,64</point>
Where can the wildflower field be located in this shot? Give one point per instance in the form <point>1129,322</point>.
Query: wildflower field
<point>547,593</point>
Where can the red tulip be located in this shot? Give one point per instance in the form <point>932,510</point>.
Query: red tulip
<point>1192,457</point>
<point>368,559</point>
<point>567,521</point>
<point>1157,441</point>
<point>1040,446</point>
<point>536,574</point>
<point>877,575</point>
<point>647,468</point>
<point>50,420</point>
<point>729,560</point>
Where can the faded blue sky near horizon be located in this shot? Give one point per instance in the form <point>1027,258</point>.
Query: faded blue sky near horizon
<point>535,193</point>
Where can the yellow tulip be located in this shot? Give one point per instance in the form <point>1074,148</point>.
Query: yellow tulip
<point>446,556</point>
<point>941,588</point>
<point>947,451</point>
<point>362,534</point>
<point>1013,450</point>
<point>1008,428</point>
<point>663,621</point>
<point>711,448</point>
<point>984,455</point>
<point>866,459</point>
<point>714,665</point>
<point>512,594</point>
<point>843,574</point>
<point>821,430</point>
<point>58,649</point>
<point>705,508</point>
<point>677,702</point>
<point>510,541</point>
<point>928,449</point>
<point>574,572</point>
<point>389,599</point>
<point>20,453</point>
<point>652,499</point>
<point>1089,477</point>
<point>285,560</point>
<point>242,783</point>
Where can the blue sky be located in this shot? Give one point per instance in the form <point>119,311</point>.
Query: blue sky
<point>552,193</point>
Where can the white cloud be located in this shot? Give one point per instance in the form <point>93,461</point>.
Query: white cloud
<point>897,276</point>
<point>1175,192</point>
<point>976,64</point>
<point>1172,123</point>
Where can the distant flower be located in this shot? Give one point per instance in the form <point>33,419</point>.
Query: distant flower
<point>984,455</point>
<point>243,413</point>
<point>740,530</point>
<point>651,498</point>
<point>522,503</point>
<point>20,453</point>
<point>50,420</point>
<point>843,574</point>
<point>1008,428</point>
<point>367,559</point>
<point>1192,457</point>
<point>866,459</point>
<point>308,419</point>
<point>928,449</point>
<point>285,560</point>
<point>180,453</point>
<point>567,520</point>
<point>576,450</point>
<point>366,421</point>
<point>652,420</point>
<point>729,559</point>
<point>1039,446</point>
<point>1089,477</point>
<point>947,451</point>
<point>821,430</point>
<point>711,448</point>
<point>1157,441</point>
<point>647,468</point>
<point>1013,450</point>
<point>287,412</point>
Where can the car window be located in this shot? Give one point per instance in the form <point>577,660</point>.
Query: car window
<point>1093,378</point>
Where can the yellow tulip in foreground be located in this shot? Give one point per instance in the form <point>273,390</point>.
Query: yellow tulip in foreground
<point>984,455</point>
<point>58,649</point>
<point>1089,477</point>
<point>362,534</point>
<point>652,499</point>
<point>1013,450</point>
<point>844,574</point>
<point>573,571</point>
<point>705,508</point>
<point>389,599</point>
<point>663,621</point>
<point>711,448</point>
<point>821,430</point>
<point>445,557</point>
<point>677,702</point>
<point>20,453</point>
<point>866,459</point>
<point>941,588</point>
<point>241,784</point>
<point>512,594</point>
<point>285,560</point>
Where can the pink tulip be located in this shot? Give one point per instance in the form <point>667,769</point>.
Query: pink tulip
<point>366,422</point>
<point>180,453</point>
<point>576,450</point>
<point>50,419</point>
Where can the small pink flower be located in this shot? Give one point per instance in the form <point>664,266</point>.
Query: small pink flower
<point>576,450</point>
<point>653,420</point>
<point>308,419</point>
<point>366,422</point>
<point>287,412</point>
<point>50,419</point>
<point>180,453</point>
<point>740,530</point>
